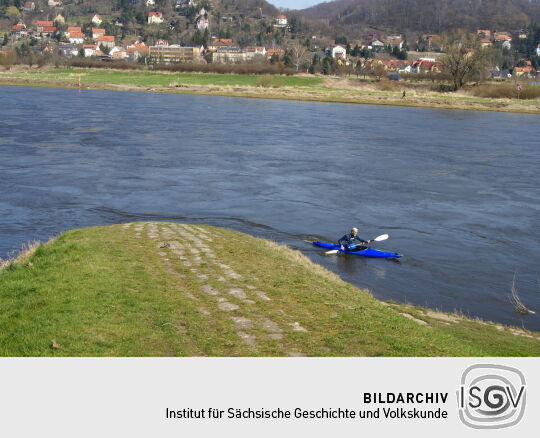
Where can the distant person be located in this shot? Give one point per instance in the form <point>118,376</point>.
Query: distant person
<point>347,242</point>
<point>403,96</point>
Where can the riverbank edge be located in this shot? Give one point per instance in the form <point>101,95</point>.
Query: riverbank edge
<point>289,93</point>
<point>329,316</point>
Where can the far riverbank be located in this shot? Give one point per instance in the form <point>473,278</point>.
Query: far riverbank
<point>300,87</point>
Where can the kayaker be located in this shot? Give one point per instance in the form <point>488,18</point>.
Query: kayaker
<point>347,242</point>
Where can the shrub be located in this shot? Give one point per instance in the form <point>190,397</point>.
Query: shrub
<point>507,91</point>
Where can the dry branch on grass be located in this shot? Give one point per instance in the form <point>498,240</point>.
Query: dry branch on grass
<point>516,301</point>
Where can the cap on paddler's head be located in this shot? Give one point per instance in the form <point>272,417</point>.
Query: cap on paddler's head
<point>354,230</point>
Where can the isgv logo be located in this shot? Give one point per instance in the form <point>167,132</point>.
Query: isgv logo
<point>491,396</point>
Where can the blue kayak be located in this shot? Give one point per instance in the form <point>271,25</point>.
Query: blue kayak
<point>368,252</point>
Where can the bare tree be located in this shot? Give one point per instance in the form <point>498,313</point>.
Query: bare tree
<point>464,58</point>
<point>298,54</point>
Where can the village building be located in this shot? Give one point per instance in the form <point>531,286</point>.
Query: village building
<point>76,37</point>
<point>106,41</point>
<point>150,3</point>
<point>337,51</point>
<point>202,24</point>
<point>19,31</point>
<point>118,52</point>
<point>54,3</point>
<point>281,21</point>
<point>220,42</point>
<point>96,33</point>
<point>229,55</point>
<point>97,20</point>
<point>254,52</point>
<point>29,7</point>
<point>155,18</point>
<point>41,24</point>
<point>170,54</point>
<point>59,19</point>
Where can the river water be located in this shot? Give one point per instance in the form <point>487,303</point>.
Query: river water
<point>457,191</point>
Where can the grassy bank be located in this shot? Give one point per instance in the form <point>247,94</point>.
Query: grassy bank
<point>165,289</point>
<point>301,87</point>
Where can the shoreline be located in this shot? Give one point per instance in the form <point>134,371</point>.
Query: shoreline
<point>328,95</point>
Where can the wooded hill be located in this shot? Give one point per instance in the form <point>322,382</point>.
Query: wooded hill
<point>427,16</point>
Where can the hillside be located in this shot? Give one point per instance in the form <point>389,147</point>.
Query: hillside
<point>169,289</point>
<point>427,16</point>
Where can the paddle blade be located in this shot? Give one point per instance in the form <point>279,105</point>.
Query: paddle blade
<point>331,252</point>
<point>381,237</point>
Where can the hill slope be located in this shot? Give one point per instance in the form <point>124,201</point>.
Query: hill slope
<point>168,289</point>
<point>428,15</point>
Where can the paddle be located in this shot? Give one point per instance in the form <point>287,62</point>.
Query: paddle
<point>377,239</point>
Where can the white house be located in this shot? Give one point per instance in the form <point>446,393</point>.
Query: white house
<point>281,21</point>
<point>96,19</point>
<point>118,52</point>
<point>337,51</point>
<point>54,3</point>
<point>538,50</point>
<point>155,18</point>
<point>76,37</point>
<point>150,3</point>
<point>202,24</point>
<point>90,50</point>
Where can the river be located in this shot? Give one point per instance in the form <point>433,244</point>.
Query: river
<point>457,191</point>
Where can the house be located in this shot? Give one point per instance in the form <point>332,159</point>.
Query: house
<point>90,50</point>
<point>527,71</point>
<point>72,29</point>
<point>106,41</point>
<point>220,42</point>
<point>118,22</point>
<point>47,31</point>
<point>172,53</point>
<point>150,3</point>
<point>136,50</point>
<point>161,42</point>
<point>76,37</point>
<point>68,50</point>
<point>337,51</point>
<point>255,51</point>
<point>54,3</point>
<point>484,34</point>
<point>40,24</point>
<point>59,19</point>
<point>202,12</point>
<point>538,50</point>
<point>96,33</point>
<point>97,20</point>
<point>202,24</point>
<point>502,36</point>
<point>394,41</point>
<point>155,18</point>
<point>229,55</point>
<point>118,52</point>
<point>376,45</point>
<point>29,7</point>
<point>19,31</point>
<point>281,21</point>
<point>426,65</point>
<point>429,41</point>
<point>277,52</point>
<point>198,49</point>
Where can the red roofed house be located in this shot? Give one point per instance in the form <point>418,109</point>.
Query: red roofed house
<point>155,17</point>
<point>96,33</point>
<point>48,30</point>
<point>281,21</point>
<point>106,40</point>
<point>19,30</point>
<point>136,50</point>
<point>41,24</point>
<point>72,29</point>
<point>253,51</point>
<point>426,66</point>
<point>484,34</point>
<point>29,6</point>
<point>485,43</point>
<point>76,37</point>
<point>272,52</point>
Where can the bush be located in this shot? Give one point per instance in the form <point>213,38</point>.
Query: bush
<point>507,91</point>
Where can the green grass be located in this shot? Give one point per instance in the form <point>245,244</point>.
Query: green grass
<point>106,291</point>
<point>157,79</point>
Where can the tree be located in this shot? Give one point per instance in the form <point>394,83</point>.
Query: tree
<point>298,53</point>
<point>8,60</point>
<point>464,58</point>
<point>12,11</point>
